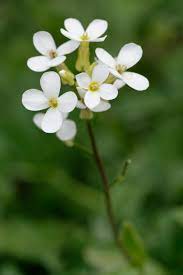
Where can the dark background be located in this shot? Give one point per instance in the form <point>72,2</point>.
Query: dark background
<point>52,217</point>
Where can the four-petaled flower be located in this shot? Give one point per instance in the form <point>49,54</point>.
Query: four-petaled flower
<point>75,31</point>
<point>128,56</point>
<point>51,56</point>
<point>67,130</point>
<point>94,87</point>
<point>36,100</point>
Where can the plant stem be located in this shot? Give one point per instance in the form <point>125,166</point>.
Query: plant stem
<point>106,188</point>
<point>83,148</point>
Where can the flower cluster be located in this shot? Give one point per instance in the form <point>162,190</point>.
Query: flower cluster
<point>92,88</point>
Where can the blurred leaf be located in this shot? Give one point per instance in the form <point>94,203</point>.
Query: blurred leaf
<point>133,245</point>
<point>178,215</point>
<point>9,270</point>
<point>41,241</point>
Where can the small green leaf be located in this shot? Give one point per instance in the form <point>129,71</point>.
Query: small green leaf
<point>133,245</point>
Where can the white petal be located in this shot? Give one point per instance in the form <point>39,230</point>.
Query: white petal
<point>44,42</point>
<point>74,26</point>
<point>83,80</point>
<point>38,63</point>
<point>65,115</point>
<point>135,81</point>
<point>129,55</point>
<point>101,39</point>
<point>108,91</point>
<point>81,92</point>
<point>57,61</point>
<point>67,102</point>
<point>67,47</point>
<point>81,105</point>
<point>52,121</point>
<point>105,57</point>
<point>96,28</point>
<point>38,118</point>
<point>115,72</point>
<point>102,106</point>
<point>50,84</point>
<point>70,35</point>
<point>92,99</point>
<point>100,73</point>
<point>118,83</point>
<point>34,100</point>
<point>67,131</point>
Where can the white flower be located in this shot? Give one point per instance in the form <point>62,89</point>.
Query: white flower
<point>75,31</point>
<point>51,56</point>
<point>103,106</point>
<point>95,87</point>
<point>67,130</point>
<point>118,83</point>
<point>36,100</point>
<point>128,56</point>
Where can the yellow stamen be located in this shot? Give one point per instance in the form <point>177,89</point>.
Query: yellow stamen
<point>94,86</point>
<point>52,54</point>
<point>121,68</point>
<point>53,103</point>
<point>84,37</point>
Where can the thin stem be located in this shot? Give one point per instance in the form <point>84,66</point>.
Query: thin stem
<point>106,188</point>
<point>122,175</point>
<point>83,148</point>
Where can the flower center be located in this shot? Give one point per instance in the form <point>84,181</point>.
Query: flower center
<point>52,54</point>
<point>94,86</point>
<point>53,102</point>
<point>121,68</point>
<point>84,37</point>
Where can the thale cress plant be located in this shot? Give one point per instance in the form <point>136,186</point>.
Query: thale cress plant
<point>92,89</point>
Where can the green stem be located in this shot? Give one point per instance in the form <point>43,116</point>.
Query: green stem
<point>83,148</point>
<point>122,175</point>
<point>106,188</point>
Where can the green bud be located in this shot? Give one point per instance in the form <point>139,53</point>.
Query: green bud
<point>83,60</point>
<point>66,75</point>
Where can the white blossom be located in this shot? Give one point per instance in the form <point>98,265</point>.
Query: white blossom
<point>94,89</point>
<point>74,30</point>
<point>128,56</point>
<point>103,106</point>
<point>48,98</point>
<point>118,83</point>
<point>67,130</point>
<point>51,56</point>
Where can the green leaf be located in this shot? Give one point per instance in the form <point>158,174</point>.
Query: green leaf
<point>133,245</point>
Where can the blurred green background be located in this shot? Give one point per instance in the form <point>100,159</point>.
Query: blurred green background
<point>52,216</point>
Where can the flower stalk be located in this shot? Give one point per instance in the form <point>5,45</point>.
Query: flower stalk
<point>106,189</point>
<point>83,60</point>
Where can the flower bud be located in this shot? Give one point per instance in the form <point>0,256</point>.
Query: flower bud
<point>66,75</point>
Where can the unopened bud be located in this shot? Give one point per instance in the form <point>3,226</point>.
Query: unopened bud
<point>67,77</point>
